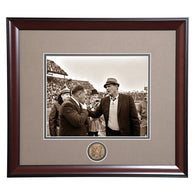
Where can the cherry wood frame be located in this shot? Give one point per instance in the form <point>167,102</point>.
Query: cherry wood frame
<point>14,25</point>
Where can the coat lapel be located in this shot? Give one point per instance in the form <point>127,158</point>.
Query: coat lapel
<point>76,105</point>
<point>107,107</point>
<point>119,104</point>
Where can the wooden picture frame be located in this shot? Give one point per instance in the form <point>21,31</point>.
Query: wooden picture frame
<point>179,25</point>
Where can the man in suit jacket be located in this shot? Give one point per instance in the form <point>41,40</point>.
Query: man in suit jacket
<point>119,112</point>
<point>73,118</point>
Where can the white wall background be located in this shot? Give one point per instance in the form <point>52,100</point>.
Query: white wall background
<point>100,8</point>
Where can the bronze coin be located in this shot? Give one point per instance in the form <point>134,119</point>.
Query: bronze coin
<point>96,151</point>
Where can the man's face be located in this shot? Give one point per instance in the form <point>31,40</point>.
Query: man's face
<point>94,97</point>
<point>82,97</point>
<point>65,96</point>
<point>112,89</point>
<point>69,85</point>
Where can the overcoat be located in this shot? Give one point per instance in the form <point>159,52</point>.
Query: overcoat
<point>128,121</point>
<point>54,119</point>
<point>73,119</point>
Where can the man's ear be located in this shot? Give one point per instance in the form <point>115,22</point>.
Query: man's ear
<point>79,93</point>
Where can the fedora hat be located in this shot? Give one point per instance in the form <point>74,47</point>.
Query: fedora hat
<point>94,91</point>
<point>111,81</point>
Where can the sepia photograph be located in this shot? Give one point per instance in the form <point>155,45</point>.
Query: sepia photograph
<point>97,95</point>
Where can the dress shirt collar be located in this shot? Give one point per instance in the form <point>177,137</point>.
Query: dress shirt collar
<point>113,99</point>
<point>75,101</point>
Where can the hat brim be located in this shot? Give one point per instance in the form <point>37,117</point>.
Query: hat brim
<point>64,92</point>
<point>110,83</point>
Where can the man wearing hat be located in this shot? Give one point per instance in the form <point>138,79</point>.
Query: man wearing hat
<point>54,113</point>
<point>74,118</point>
<point>69,84</point>
<point>119,112</point>
<point>142,114</point>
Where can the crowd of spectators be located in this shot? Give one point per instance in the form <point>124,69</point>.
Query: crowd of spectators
<point>138,96</point>
<point>56,85</point>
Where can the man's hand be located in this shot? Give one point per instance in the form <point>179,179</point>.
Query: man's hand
<point>84,106</point>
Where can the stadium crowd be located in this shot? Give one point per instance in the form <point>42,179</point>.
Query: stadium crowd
<point>56,85</point>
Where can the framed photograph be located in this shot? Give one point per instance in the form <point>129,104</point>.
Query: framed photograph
<point>97,97</point>
<point>92,72</point>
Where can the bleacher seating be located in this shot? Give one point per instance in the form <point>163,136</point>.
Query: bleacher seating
<point>55,86</point>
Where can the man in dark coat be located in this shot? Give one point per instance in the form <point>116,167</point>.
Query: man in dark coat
<point>119,112</point>
<point>142,114</point>
<point>74,118</point>
<point>54,116</point>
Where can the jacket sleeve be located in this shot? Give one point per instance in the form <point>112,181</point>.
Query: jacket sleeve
<point>135,125</point>
<point>53,120</point>
<point>75,118</point>
<point>97,113</point>
<point>139,108</point>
